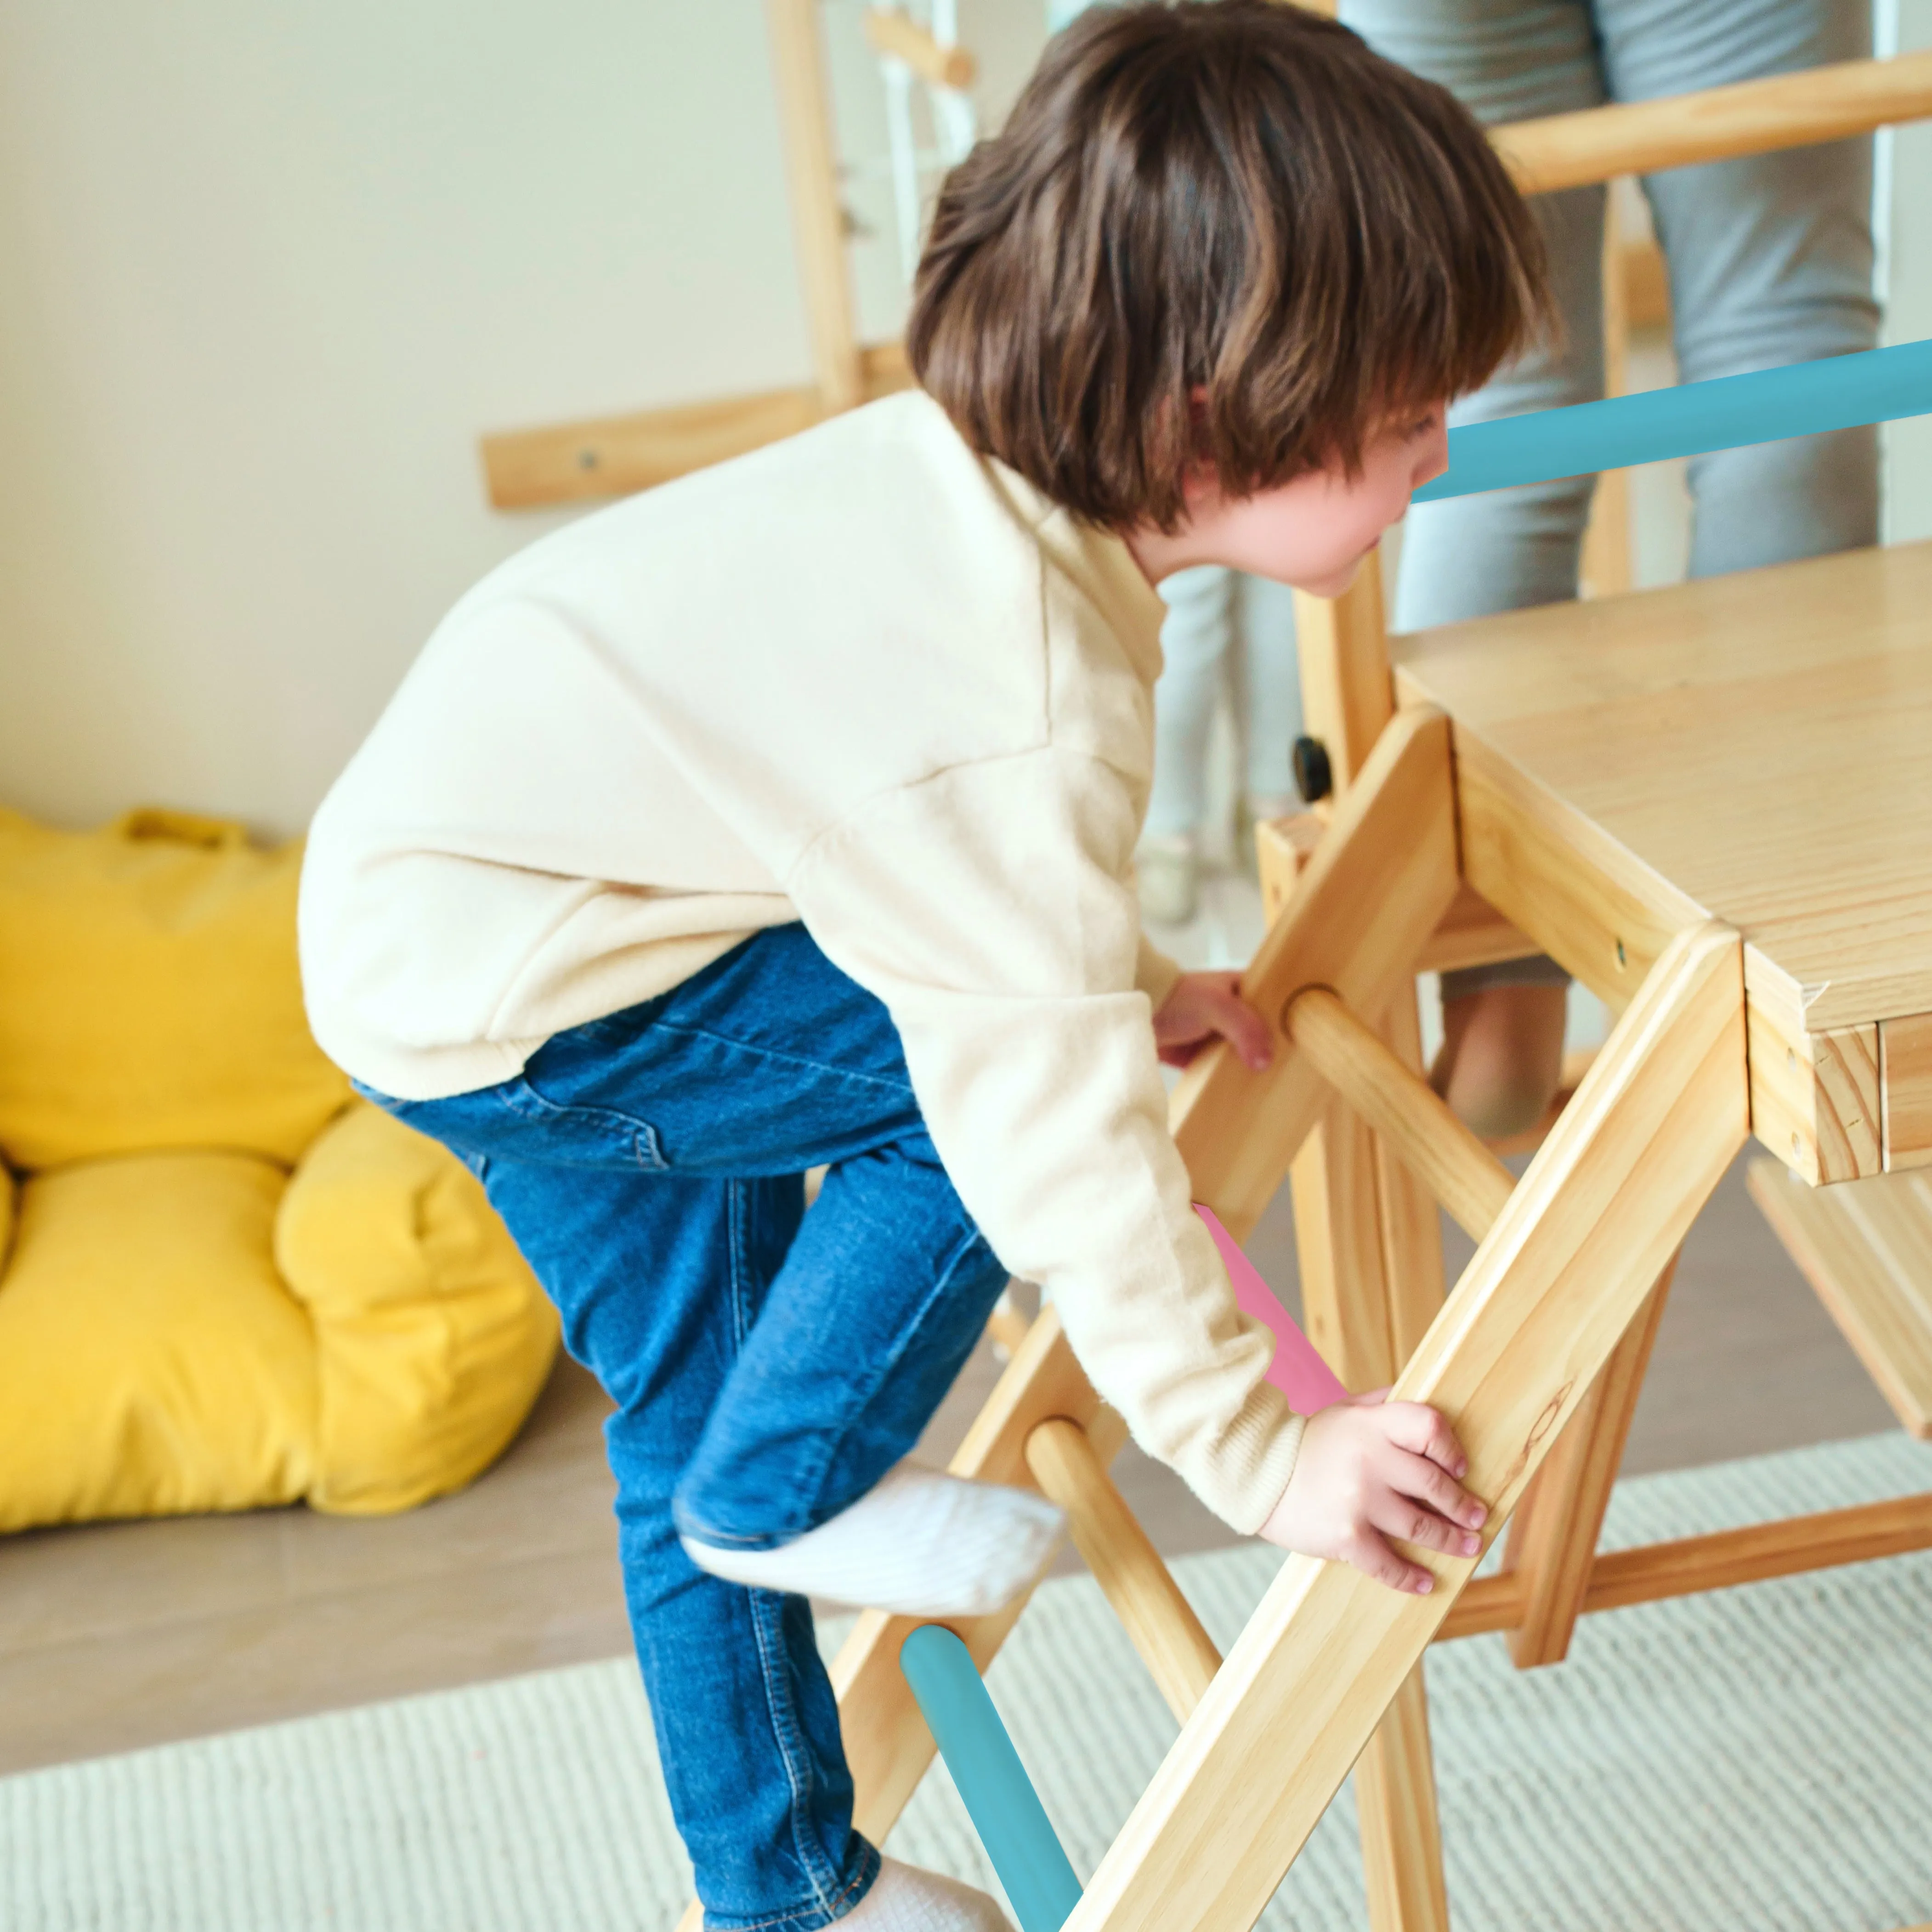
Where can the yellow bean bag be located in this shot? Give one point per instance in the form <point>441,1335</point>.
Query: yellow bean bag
<point>224,1282</point>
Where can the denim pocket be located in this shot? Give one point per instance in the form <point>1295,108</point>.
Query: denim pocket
<point>594,1135</point>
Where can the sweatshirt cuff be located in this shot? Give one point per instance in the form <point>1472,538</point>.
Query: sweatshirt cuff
<point>1154,972</point>
<point>1244,1476</point>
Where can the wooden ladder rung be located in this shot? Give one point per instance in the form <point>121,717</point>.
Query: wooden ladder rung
<point>1179,1654</point>
<point>1866,1247</point>
<point>1448,1158</point>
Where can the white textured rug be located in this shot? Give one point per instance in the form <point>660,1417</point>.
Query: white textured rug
<point>1760,1759</point>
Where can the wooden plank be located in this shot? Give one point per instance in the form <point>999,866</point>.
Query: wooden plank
<point>1815,1096</point>
<point>1553,1539</point>
<point>1793,1547</point>
<point>1756,748</point>
<point>1750,117</point>
<point>612,456</point>
<point>1459,1170</point>
<point>1559,878</point>
<point>900,36</point>
<point>1395,1776</point>
<point>1377,886</point>
<point>1796,1546</point>
<point>1540,1307</point>
<point>1395,1798</point>
<point>1471,933</point>
<point>1866,1248</point>
<point>818,216</point>
<point>1905,1050</point>
<point>1160,1622</point>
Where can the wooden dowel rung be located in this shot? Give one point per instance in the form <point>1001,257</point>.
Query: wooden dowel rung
<point>1469,1180</point>
<point>1178,1653</point>
<point>1746,117</point>
<point>890,31</point>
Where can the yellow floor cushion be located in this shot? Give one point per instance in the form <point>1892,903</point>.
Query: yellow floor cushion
<point>151,1362</point>
<point>230,1282</point>
<point>149,996</point>
<point>432,1336</point>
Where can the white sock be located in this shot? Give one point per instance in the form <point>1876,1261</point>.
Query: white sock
<point>921,1544</point>
<point>909,1898</point>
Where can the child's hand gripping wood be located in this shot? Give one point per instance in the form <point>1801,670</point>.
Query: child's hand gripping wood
<point>1369,1469</point>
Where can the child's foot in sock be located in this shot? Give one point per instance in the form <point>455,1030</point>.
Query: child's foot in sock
<point>908,1898</point>
<point>922,1544</point>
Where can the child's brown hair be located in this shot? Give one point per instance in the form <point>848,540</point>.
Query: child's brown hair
<point>1222,231</point>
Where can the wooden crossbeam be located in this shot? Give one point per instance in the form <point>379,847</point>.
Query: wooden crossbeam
<point>1457,1168</point>
<point>1539,1309</point>
<point>891,32</point>
<point>1722,1560</point>
<point>1748,117</point>
<point>1160,1622</point>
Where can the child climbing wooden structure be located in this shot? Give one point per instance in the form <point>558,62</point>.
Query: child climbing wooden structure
<point>1710,805</point>
<point>1656,791</point>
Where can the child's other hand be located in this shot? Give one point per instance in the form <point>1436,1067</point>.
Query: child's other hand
<point>1205,1006</point>
<point>1371,1469</point>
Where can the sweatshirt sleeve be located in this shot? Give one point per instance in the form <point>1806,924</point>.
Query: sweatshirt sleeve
<point>991,909</point>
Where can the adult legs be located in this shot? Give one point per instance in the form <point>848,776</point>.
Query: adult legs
<point>1194,641</point>
<point>1771,262</point>
<point>1270,696</point>
<point>1507,60</point>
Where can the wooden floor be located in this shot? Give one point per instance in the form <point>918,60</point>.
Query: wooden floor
<point>123,1635</point>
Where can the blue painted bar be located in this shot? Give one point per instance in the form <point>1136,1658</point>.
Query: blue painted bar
<point>1000,1799</point>
<point>1837,392</point>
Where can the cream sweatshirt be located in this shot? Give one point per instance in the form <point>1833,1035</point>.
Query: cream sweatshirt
<point>870,680</point>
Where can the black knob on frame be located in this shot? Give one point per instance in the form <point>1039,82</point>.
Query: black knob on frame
<point>1313,771</point>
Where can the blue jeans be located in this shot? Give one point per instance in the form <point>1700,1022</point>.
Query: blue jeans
<point>768,1365</point>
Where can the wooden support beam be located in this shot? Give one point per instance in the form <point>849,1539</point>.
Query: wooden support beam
<point>1160,1622</point>
<point>1558,1279</point>
<point>1458,1169</point>
<point>1552,1539</point>
<point>1795,1546</point>
<point>1373,893</point>
<point>1866,1247</point>
<point>818,216</point>
<point>1905,1046</point>
<point>1722,1560</point>
<point>1749,117</point>
<point>613,456</point>
<point>890,32</point>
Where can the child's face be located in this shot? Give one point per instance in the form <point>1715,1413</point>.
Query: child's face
<point>1314,532</point>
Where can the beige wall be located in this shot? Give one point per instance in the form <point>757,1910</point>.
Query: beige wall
<point>266,272</point>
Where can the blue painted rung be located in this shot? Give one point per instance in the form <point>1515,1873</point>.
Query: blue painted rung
<point>1835,392</point>
<point>999,1796</point>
